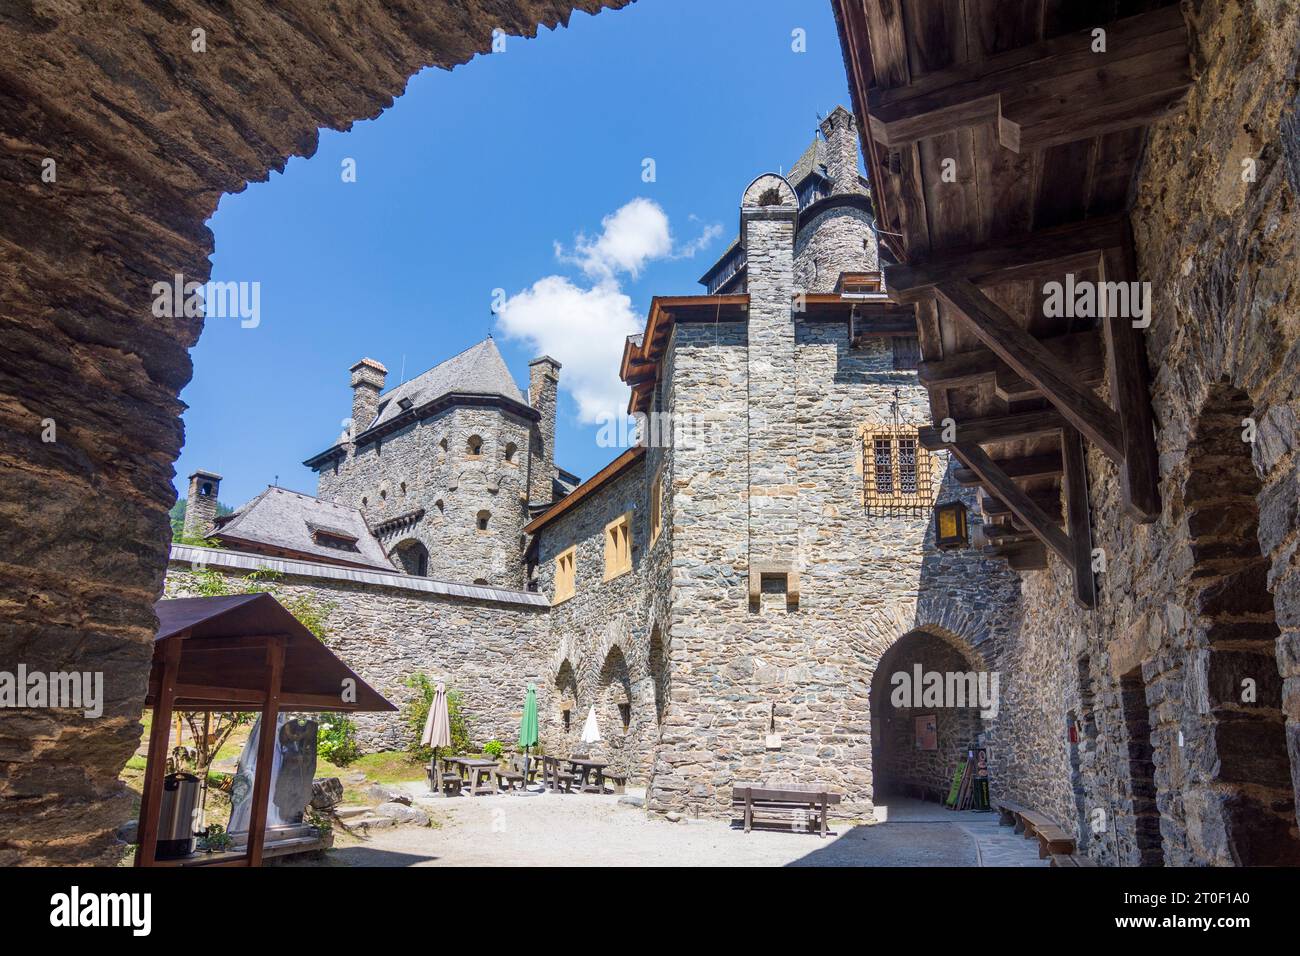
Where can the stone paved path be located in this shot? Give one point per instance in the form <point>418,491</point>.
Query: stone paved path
<point>584,829</point>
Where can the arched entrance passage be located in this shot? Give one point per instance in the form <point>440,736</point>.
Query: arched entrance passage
<point>918,730</point>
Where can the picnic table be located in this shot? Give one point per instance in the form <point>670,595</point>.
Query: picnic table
<point>478,771</point>
<point>591,774</point>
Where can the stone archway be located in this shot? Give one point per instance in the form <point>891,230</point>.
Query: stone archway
<point>921,728</point>
<point>411,556</point>
<point>140,159</point>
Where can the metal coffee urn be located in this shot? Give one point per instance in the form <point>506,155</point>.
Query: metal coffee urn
<point>176,820</point>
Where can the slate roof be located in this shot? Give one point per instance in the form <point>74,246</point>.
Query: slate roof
<point>479,370</point>
<point>280,518</point>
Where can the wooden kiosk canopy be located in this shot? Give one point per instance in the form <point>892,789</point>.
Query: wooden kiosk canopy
<point>1003,140</point>
<point>236,653</point>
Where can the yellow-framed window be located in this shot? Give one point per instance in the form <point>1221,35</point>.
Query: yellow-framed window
<point>566,575</point>
<point>618,546</point>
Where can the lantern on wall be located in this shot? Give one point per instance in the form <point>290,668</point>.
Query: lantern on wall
<point>950,527</point>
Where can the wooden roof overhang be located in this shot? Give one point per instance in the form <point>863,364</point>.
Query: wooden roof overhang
<point>237,653</point>
<point>1003,140</point>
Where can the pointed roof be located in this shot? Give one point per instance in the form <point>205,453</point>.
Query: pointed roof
<point>812,161</point>
<point>287,521</point>
<point>479,370</point>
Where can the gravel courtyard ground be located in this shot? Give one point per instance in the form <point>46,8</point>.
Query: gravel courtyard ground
<point>591,830</point>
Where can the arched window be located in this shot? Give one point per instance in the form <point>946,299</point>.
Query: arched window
<point>440,506</point>
<point>511,448</point>
<point>402,487</point>
<point>412,557</point>
<point>483,518</point>
<point>365,502</point>
<point>474,446</point>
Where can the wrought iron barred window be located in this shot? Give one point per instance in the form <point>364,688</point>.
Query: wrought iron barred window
<point>897,472</point>
<point>884,463</point>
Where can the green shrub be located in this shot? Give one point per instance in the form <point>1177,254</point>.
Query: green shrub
<point>336,739</point>
<point>416,711</point>
<point>493,749</point>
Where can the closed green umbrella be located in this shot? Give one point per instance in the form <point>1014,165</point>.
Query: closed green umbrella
<point>528,726</point>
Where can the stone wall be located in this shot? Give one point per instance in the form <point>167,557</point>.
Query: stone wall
<point>601,638</point>
<point>427,465</point>
<point>1192,605</point>
<point>141,159</point>
<point>387,627</point>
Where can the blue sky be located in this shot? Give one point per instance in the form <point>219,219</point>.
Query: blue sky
<point>507,173</point>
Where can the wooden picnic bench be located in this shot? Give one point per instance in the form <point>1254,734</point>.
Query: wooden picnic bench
<point>618,779</point>
<point>512,778</point>
<point>553,778</point>
<point>793,806</point>
<point>1053,839</point>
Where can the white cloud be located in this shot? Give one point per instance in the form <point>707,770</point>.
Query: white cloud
<point>629,238</point>
<point>584,329</point>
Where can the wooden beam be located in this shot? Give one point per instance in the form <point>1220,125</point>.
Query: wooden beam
<point>1074,488</point>
<point>1081,350</point>
<point>1023,555</point>
<point>1046,254</point>
<point>156,762</point>
<point>1033,466</point>
<point>1057,90</point>
<point>1049,501</point>
<point>1030,514</point>
<point>982,431</point>
<point>1129,375</point>
<point>1033,362</point>
<point>265,751</point>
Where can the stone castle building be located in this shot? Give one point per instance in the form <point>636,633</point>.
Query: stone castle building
<point>1123,721</point>
<point>724,591</point>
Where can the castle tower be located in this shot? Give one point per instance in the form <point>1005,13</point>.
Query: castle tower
<point>201,504</point>
<point>367,383</point>
<point>543,395</point>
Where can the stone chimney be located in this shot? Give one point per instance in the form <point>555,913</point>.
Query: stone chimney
<point>201,504</point>
<point>543,395</point>
<point>841,132</point>
<point>768,222</point>
<point>367,384</point>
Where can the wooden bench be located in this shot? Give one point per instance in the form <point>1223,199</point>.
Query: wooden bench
<point>512,778</point>
<point>617,779</point>
<point>791,806</point>
<point>1053,839</point>
<point>553,778</point>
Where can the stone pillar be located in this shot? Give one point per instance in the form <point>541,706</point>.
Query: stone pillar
<point>367,384</point>
<point>840,130</point>
<point>768,217</point>
<point>201,504</point>
<point>543,395</point>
